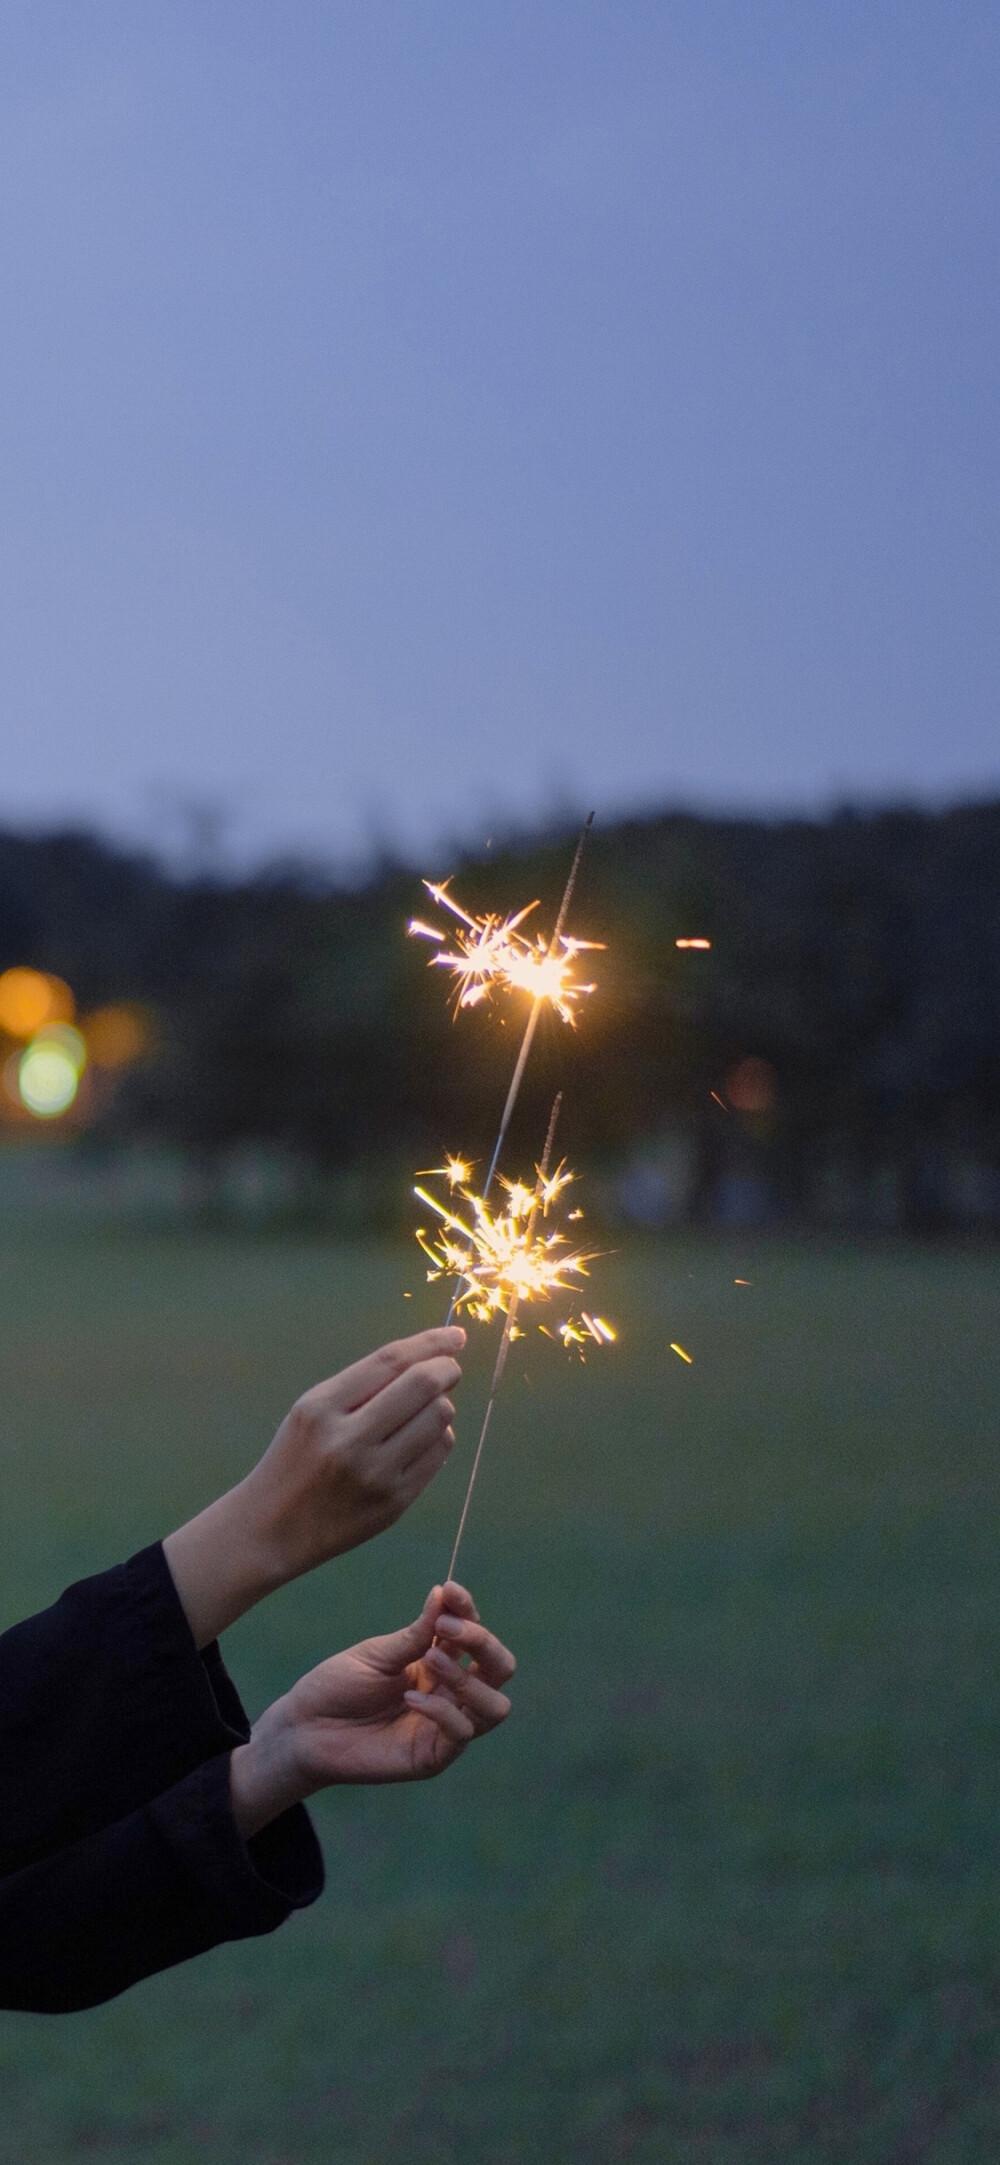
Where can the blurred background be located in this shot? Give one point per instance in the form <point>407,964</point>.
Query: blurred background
<point>423,426</point>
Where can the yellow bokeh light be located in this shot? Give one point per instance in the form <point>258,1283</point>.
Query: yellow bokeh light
<point>30,998</point>
<point>47,1079</point>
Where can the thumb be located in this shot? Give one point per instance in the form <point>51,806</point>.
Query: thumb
<point>396,1649</point>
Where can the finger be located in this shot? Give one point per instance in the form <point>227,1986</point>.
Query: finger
<point>354,1386</point>
<point>411,1443</point>
<point>459,1599</point>
<point>487,1707</point>
<point>449,1717</point>
<point>495,1661</point>
<point>395,1650</point>
<point>451,1672</point>
<point>408,1482</point>
<point>392,1407</point>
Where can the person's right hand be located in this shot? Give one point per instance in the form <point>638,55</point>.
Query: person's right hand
<point>356,1451</point>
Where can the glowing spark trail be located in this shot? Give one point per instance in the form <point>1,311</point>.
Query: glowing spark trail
<point>456,1171</point>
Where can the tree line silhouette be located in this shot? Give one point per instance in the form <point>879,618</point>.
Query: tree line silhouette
<point>835,1054</point>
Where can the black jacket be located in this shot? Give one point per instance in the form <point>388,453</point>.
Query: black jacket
<point>119,1853</point>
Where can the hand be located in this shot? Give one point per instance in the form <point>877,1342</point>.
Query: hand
<point>402,1707</point>
<point>356,1451</point>
<point>350,1457</point>
<point>395,1709</point>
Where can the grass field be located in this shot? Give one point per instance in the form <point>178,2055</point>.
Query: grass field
<point>726,1888</point>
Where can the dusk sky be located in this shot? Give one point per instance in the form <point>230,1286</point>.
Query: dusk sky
<point>418,417</point>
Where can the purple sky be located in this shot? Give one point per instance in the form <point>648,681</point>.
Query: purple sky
<point>418,416</point>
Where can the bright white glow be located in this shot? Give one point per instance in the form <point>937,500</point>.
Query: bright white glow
<point>47,1079</point>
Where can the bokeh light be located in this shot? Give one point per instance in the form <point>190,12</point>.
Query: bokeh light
<point>751,1087</point>
<point>48,1078</point>
<point>31,998</point>
<point>69,1039</point>
<point>116,1035</point>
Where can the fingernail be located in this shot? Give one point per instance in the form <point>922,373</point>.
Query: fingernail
<point>450,1625</point>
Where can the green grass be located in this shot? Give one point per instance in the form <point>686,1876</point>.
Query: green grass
<point>726,1888</point>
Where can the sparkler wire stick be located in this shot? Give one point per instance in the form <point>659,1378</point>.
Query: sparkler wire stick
<point>536,1007</point>
<point>511,1316</point>
<point>531,1026</point>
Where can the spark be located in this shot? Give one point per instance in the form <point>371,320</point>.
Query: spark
<point>704,945</point>
<point>456,1171</point>
<point>491,953</point>
<point>719,1101</point>
<point>679,1350</point>
<point>742,1281</point>
<point>508,1255</point>
<point>603,1332</point>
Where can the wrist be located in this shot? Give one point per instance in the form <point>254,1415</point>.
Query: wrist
<point>222,1562</point>
<point>264,1776</point>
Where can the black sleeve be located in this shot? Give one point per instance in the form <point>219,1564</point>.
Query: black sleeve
<point>157,1887</point>
<point>105,1702</point>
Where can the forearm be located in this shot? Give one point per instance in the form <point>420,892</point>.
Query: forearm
<point>145,1893</point>
<point>222,1563</point>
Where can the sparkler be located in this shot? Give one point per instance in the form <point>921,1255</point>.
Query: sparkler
<point>497,1257</point>
<point>492,951</point>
